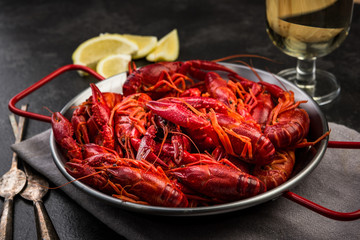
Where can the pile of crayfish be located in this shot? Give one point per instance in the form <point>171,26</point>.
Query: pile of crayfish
<point>181,135</point>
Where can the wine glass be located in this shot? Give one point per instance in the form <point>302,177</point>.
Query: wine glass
<point>308,29</point>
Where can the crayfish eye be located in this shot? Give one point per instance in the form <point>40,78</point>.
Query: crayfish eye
<point>123,140</point>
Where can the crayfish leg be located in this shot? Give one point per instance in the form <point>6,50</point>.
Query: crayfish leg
<point>278,171</point>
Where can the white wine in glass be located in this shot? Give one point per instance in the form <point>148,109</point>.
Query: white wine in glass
<point>308,29</point>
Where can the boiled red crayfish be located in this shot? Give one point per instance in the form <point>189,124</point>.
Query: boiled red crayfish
<point>182,135</point>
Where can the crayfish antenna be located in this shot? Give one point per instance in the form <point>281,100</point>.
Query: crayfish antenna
<point>63,185</point>
<point>243,56</point>
<point>251,68</point>
<point>46,108</point>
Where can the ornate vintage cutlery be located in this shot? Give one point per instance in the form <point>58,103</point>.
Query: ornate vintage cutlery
<point>35,189</point>
<point>11,183</point>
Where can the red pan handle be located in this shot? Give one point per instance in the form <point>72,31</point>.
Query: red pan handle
<point>339,144</point>
<point>42,82</point>
<point>349,216</point>
<point>341,216</point>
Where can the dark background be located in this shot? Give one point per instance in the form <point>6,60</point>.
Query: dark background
<point>37,37</point>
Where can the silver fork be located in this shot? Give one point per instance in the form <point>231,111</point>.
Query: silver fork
<point>35,189</point>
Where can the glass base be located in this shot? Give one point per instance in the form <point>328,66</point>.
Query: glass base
<point>323,90</point>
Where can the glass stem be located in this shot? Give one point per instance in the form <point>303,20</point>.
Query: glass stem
<point>306,72</point>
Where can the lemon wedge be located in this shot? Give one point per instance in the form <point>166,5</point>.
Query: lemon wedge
<point>91,51</point>
<point>113,64</point>
<point>145,43</point>
<point>167,49</point>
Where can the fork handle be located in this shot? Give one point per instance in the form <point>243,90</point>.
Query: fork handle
<point>44,227</point>
<point>6,224</point>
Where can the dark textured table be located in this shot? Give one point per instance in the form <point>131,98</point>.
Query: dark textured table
<point>37,37</point>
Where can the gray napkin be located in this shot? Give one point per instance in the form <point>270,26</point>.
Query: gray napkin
<point>333,184</point>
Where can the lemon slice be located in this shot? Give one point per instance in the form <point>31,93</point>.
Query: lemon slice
<point>113,64</point>
<point>91,51</point>
<point>167,49</point>
<point>145,43</point>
